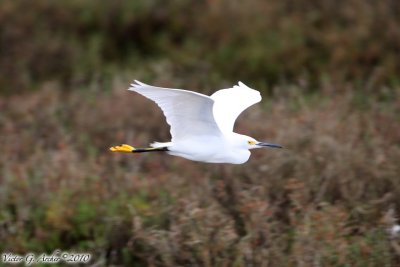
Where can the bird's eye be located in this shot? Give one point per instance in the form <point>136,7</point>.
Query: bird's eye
<point>251,142</point>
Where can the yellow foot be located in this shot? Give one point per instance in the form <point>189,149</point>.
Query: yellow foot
<point>122,148</point>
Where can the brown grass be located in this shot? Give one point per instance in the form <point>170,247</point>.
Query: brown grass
<point>328,71</point>
<point>319,202</point>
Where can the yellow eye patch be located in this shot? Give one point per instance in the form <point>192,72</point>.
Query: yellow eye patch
<point>252,142</point>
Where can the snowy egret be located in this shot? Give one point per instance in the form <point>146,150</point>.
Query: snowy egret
<point>202,126</point>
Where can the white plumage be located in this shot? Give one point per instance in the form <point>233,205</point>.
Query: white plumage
<point>229,103</point>
<point>202,126</point>
<point>181,108</point>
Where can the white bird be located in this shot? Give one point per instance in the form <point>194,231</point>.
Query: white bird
<point>395,230</point>
<point>202,126</point>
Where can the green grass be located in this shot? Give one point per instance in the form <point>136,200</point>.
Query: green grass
<point>75,43</point>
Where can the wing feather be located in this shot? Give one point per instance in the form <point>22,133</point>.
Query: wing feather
<point>188,113</point>
<point>229,103</point>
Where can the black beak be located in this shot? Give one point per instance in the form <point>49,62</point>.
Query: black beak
<point>268,145</point>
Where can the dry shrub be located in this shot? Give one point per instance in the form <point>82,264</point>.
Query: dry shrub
<point>318,202</point>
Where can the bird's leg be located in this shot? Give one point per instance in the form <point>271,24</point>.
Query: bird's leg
<point>130,149</point>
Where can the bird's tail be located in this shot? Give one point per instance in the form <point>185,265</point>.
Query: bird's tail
<point>160,145</point>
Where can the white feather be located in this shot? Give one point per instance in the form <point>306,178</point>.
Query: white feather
<point>160,144</point>
<point>188,113</point>
<point>229,103</point>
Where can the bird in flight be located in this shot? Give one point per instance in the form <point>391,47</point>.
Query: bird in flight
<point>201,125</point>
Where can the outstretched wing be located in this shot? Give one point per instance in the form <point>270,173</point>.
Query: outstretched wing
<point>229,103</point>
<point>188,113</point>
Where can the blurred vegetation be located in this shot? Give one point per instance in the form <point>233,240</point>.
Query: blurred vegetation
<point>266,42</point>
<point>329,74</point>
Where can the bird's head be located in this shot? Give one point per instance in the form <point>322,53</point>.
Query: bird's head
<point>252,143</point>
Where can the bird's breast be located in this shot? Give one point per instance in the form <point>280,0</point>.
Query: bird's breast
<point>211,152</point>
